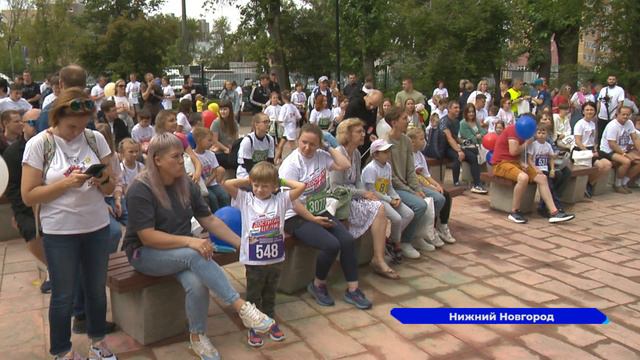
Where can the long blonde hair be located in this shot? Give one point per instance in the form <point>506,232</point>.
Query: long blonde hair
<point>150,176</point>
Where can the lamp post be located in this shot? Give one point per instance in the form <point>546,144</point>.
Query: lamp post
<point>338,43</point>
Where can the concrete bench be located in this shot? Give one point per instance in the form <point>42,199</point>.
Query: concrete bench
<point>604,184</point>
<point>437,168</point>
<point>501,194</point>
<point>577,183</point>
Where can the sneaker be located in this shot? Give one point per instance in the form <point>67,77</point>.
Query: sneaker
<point>422,245</point>
<point>253,339</point>
<point>626,188</point>
<point>392,251</point>
<point>100,351</point>
<point>456,183</point>
<point>445,234</point>
<point>588,192</point>
<point>80,326</point>
<point>435,239</point>
<point>621,190</point>
<point>479,189</point>
<point>204,348</point>
<point>409,251</point>
<point>561,216</point>
<point>517,217</point>
<point>357,298</point>
<point>276,334</point>
<point>254,318</point>
<point>71,355</point>
<point>45,288</point>
<point>321,294</point>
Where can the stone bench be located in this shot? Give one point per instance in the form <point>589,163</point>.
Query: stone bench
<point>8,231</point>
<point>604,184</point>
<point>577,183</point>
<point>437,168</point>
<point>501,193</point>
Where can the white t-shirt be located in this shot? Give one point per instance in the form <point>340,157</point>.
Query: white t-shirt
<point>262,240</point>
<point>21,106</point>
<point>133,91</point>
<point>183,121</point>
<point>260,151</point>
<point>167,91</point>
<point>322,118</point>
<point>586,129</point>
<point>298,98</point>
<point>289,115</point>
<point>273,112</point>
<point>472,98</point>
<point>143,135</point>
<point>96,91</point>
<point>382,128</point>
<point>421,164</point>
<point>128,175</point>
<point>507,117</point>
<point>441,113</point>
<point>491,122</point>
<point>48,100</point>
<point>616,96</point>
<point>378,175</point>
<point>481,115</point>
<point>239,91</point>
<point>541,154</point>
<point>562,126</point>
<point>336,111</point>
<point>78,210</point>
<point>620,133</point>
<point>313,172</point>
<point>209,165</point>
<point>444,93</point>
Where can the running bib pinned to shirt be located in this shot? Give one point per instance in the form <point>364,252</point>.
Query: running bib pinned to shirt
<point>382,185</point>
<point>266,242</point>
<point>316,198</point>
<point>542,162</point>
<point>259,155</point>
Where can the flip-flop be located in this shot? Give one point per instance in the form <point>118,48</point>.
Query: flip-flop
<point>389,273</point>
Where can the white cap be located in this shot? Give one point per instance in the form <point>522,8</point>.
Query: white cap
<point>380,145</point>
<point>323,78</point>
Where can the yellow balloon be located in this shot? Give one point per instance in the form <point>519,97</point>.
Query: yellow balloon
<point>110,89</point>
<point>213,107</point>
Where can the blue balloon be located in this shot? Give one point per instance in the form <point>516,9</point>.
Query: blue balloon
<point>191,140</point>
<point>526,126</point>
<point>489,157</point>
<point>232,218</point>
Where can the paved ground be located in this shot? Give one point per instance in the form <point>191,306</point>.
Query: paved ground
<point>593,261</point>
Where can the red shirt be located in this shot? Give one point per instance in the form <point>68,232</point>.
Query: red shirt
<point>501,149</point>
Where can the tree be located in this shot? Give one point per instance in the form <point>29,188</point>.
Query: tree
<point>10,27</point>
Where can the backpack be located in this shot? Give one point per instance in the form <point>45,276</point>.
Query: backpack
<point>50,147</point>
<point>232,158</point>
<point>436,142</point>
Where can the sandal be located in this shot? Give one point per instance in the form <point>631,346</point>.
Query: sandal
<point>389,273</point>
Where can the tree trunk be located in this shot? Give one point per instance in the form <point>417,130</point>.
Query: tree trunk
<point>276,56</point>
<point>567,43</point>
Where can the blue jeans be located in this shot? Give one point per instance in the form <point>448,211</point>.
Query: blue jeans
<point>123,218</point>
<point>217,197</point>
<point>419,207</point>
<point>196,274</point>
<point>68,255</point>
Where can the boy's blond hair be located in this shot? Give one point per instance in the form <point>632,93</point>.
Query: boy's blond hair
<point>414,132</point>
<point>200,133</point>
<point>264,172</point>
<point>126,141</point>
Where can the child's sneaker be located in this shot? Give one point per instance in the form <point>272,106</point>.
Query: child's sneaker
<point>254,318</point>
<point>253,339</point>
<point>321,294</point>
<point>357,298</point>
<point>100,351</point>
<point>422,245</point>
<point>204,348</point>
<point>276,334</point>
<point>445,234</point>
<point>71,355</point>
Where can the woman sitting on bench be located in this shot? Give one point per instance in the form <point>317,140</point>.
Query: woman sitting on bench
<point>158,242</point>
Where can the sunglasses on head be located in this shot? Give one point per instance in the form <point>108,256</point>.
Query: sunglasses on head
<point>78,105</point>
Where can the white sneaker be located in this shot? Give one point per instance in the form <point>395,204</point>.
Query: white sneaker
<point>433,238</point>
<point>255,319</point>
<point>100,351</point>
<point>422,245</point>
<point>409,251</point>
<point>204,348</point>
<point>445,234</point>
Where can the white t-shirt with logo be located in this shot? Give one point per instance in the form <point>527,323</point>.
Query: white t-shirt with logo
<point>209,165</point>
<point>128,175</point>
<point>616,95</point>
<point>272,112</point>
<point>261,150</point>
<point>78,210</point>
<point>322,118</point>
<point>183,121</point>
<point>133,90</point>
<point>378,175</point>
<point>262,240</point>
<point>491,121</point>
<point>542,154</point>
<point>96,91</point>
<point>586,129</point>
<point>444,93</point>
<point>143,135</point>
<point>167,91</point>
<point>620,133</point>
<point>313,172</point>
<point>289,115</point>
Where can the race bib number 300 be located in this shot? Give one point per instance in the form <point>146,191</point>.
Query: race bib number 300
<point>266,248</point>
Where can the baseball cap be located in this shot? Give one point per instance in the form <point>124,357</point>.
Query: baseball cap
<point>537,82</point>
<point>380,145</point>
<point>323,78</point>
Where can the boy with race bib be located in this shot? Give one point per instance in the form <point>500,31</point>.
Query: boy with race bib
<point>262,242</point>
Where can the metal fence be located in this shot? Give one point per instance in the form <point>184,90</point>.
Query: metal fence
<point>244,74</point>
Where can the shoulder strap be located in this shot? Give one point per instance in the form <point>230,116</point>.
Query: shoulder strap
<point>49,152</point>
<point>91,140</point>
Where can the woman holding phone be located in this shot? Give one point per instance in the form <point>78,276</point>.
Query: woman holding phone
<point>73,216</point>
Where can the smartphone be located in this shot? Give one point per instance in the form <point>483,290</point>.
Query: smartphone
<point>95,170</point>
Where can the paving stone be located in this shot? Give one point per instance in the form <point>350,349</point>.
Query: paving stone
<point>447,259</point>
<point>493,263</point>
<point>232,346</point>
<point>24,329</point>
<point>613,295</point>
<point>477,290</point>
<point>633,264</point>
<point>529,277</point>
<point>506,301</point>
<point>625,316</point>
<point>554,348</point>
<point>571,244</point>
<point>442,344</point>
<point>391,288</point>
<point>612,257</point>
<point>294,310</point>
<point>538,234</point>
<point>578,335</point>
<point>621,334</point>
<point>615,281</point>
<point>456,298</point>
<point>22,266</point>
<point>478,271</point>
<point>382,312</point>
<point>347,320</point>
<point>615,351</point>
<point>530,241</point>
<point>458,249</point>
<point>426,283</point>
<point>510,352</point>
<point>572,280</point>
<point>297,350</point>
<point>581,298</point>
<point>20,304</point>
<point>521,291</point>
<point>473,334</point>
<point>384,341</point>
<point>566,252</point>
<point>366,356</point>
<point>572,266</point>
<point>420,302</point>
<point>527,262</point>
<point>325,339</point>
<point>178,350</point>
<point>539,255</point>
<point>220,325</point>
<point>607,266</point>
<point>19,284</point>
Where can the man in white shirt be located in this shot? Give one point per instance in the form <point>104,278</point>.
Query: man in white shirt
<point>15,101</point>
<point>97,92</point>
<point>616,145</point>
<point>609,99</point>
<point>133,91</point>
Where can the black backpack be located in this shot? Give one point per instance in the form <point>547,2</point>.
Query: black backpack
<point>436,141</point>
<point>231,160</point>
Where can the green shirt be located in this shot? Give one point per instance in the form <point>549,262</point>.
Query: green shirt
<point>404,169</point>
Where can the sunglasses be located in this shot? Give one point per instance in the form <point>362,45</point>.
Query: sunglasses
<point>32,123</point>
<point>78,105</point>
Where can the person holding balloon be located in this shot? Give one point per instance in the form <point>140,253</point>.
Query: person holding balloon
<point>262,249</point>
<point>506,160</point>
<point>158,241</point>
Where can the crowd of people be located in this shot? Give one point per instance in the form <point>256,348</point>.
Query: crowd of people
<point>326,167</point>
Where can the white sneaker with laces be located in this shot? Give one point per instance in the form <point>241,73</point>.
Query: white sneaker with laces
<point>445,234</point>
<point>433,238</point>
<point>255,319</point>
<point>204,348</point>
<point>100,351</point>
<point>422,245</point>
<point>409,251</point>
